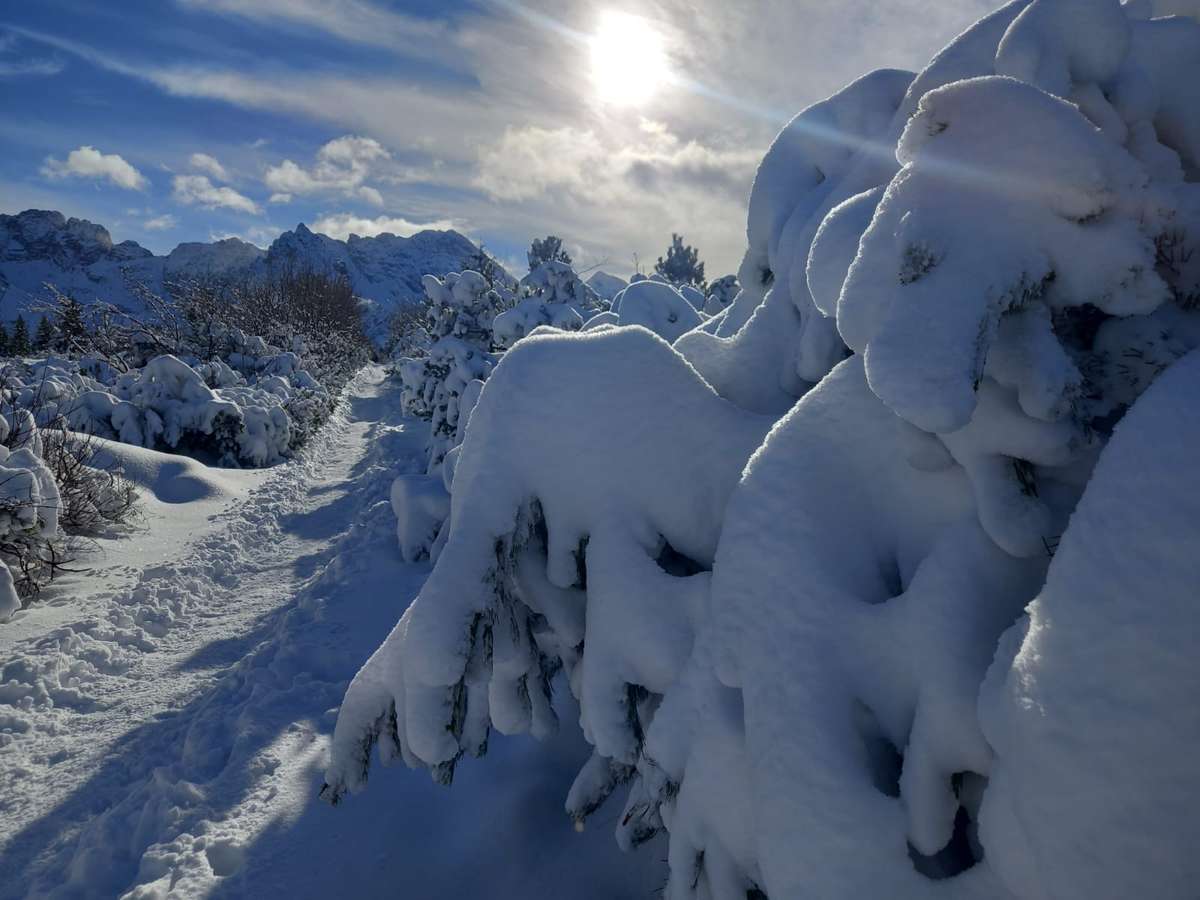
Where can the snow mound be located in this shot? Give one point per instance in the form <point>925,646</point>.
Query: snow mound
<point>168,478</point>
<point>1087,706</point>
<point>659,307</point>
<point>541,545</point>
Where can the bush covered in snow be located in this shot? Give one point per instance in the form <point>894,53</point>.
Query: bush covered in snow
<point>460,312</point>
<point>51,487</point>
<point>721,292</point>
<point>880,582</point>
<point>470,319</point>
<point>255,407</point>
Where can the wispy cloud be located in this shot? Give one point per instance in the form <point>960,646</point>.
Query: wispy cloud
<point>164,222</point>
<point>209,165</point>
<point>197,189</point>
<point>19,68</point>
<point>356,21</point>
<point>382,106</point>
<point>25,67</point>
<point>342,225</point>
<point>88,162</point>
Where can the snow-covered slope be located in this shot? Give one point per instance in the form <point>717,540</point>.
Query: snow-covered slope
<point>607,286</point>
<point>79,257</point>
<point>386,268</point>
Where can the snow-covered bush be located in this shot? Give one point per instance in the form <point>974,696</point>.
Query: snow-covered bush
<point>255,410</point>
<point>658,306</point>
<point>51,488</point>
<point>29,508</point>
<point>551,294</point>
<point>472,320</point>
<point>461,311</point>
<point>721,292</point>
<point>879,583</point>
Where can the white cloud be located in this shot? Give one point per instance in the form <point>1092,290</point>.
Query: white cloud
<point>209,165</point>
<point>280,198</point>
<point>528,162</point>
<point>342,225</point>
<point>88,162</point>
<point>341,167</point>
<point>164,222</point>
<point>189,189</point>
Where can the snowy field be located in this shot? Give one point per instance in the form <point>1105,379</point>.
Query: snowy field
<point>166,717</point>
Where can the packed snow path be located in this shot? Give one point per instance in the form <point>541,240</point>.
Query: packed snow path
<point>167,736</point>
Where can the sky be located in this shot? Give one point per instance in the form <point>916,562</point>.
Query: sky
<point>611,124</point>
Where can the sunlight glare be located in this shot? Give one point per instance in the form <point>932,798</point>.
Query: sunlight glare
<point>629,62</point>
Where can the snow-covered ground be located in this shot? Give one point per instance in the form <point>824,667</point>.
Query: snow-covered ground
<point>164,716</point>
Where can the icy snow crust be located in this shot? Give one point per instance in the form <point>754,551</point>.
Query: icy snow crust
<point>879,580</point>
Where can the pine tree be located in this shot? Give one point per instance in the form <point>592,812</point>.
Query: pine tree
<point>682,264</point>
<point>19,346</point>
<point>3,340</point>
<point>548,249</point>
<point>43,338</point>
<point>70,326</point>
<point>482,262</point>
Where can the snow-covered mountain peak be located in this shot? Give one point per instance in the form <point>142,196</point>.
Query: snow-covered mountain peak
<point>226,255</point>
<point>78,257</point>
<point>40,234</point>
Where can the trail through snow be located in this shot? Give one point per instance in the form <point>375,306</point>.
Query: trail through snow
<point>163,727</point>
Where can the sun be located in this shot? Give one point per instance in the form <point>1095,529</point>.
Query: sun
<point>629,61</point>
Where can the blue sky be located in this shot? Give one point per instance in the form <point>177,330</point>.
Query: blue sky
<point>175,120</point>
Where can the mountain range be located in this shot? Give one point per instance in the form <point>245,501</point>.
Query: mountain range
<point>40,247</point>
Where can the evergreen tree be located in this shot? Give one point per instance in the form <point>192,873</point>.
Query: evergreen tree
<point>70,326</point>
<point>3,340</point>
<point>548,249</point>
<point>682,264</point>
<point>482,262</point>
<point>43,338</point>
<point>19,345</point>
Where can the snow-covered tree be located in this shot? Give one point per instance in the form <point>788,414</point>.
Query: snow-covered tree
<point>807,596</point>
<point>721,292</point>
<point>551,294</point>
<point>460,311</point>
<point>682,264</point>
<point>546,250</point>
